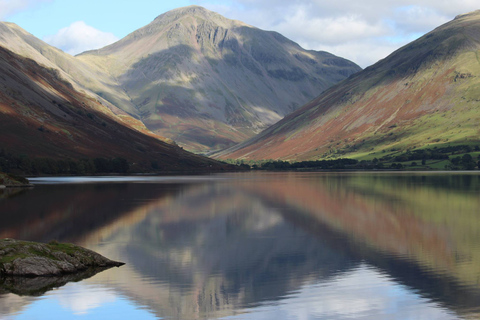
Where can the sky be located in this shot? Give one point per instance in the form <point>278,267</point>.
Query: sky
<point>363,31</point>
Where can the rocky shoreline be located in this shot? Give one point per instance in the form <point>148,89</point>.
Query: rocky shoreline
<point>11,181</point>
<point>32,259</point>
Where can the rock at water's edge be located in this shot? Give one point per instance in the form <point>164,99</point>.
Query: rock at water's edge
<point>24,258</point>
<point>12,181</point>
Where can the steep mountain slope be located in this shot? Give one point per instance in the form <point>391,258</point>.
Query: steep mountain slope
<point>14,38</point>
<point>425,94</point>
<point>208,82</point>
<point>42,115</point>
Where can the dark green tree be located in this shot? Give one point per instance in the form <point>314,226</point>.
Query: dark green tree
<point>120,165</point>
<point>102,165</point>
<point>467,162</point>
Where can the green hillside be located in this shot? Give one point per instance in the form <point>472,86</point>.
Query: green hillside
<point>424,95</point>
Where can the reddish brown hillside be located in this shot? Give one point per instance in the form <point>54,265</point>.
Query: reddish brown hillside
<point>425,94</point>
<point>41,115</point>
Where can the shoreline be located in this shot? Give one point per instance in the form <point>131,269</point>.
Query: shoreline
<point>9,186</point>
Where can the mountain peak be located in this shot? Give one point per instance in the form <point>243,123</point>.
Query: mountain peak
<point>193,11</point>
<point>219,81</point>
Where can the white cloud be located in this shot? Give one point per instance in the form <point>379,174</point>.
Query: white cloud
<point>363,52</point>
<point>330,30</point>
<point>363,31</point>
<point>416,18</point>
<point>9,7</point>
<point>81,299</point>
<point>80,37</point>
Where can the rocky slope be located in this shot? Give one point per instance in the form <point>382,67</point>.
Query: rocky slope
<point>42,115</point>
<point>424,94</point>
<point>208,82</point>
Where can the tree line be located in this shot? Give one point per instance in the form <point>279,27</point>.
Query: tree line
<point>417,158</point>
<point>23,164</point>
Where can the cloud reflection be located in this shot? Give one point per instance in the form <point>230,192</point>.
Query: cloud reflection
<point>80,298</point>
<point>363,293</point>
<point>80,301</point>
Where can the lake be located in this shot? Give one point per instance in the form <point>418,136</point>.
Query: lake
<point>369,245</point>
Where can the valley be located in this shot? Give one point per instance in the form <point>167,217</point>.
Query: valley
<point>195,80</point>
<point>237,173</point>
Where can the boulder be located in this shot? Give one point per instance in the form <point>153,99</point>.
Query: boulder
<point>31,259</point>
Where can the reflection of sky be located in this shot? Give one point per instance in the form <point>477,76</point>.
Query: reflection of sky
<point>82,301</point>
<point>115,179</point>
<point>363,293</point>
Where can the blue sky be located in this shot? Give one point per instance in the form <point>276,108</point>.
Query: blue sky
<point>120,17</point>
<point>362,31</point>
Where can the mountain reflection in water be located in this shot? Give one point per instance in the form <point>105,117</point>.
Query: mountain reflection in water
<point>265,246</point>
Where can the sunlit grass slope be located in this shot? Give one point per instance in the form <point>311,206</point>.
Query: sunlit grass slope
<point>425,94</point>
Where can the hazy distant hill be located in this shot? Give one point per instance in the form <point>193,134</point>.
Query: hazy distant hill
<point>208,82</point>
<point>424,94</point>
<point>42,115</point>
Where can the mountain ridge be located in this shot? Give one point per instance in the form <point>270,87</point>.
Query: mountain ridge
<point>167,18</point>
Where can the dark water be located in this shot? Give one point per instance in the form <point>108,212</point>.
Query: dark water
<point>258,246</point>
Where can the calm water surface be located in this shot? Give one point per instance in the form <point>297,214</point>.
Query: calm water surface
<point>257,246</point>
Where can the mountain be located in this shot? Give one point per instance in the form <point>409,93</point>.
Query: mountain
<point>15,39</point>
<point>193,76</point>
<point>426,94</point>
<point>209,82</point>
<point>42,115</point>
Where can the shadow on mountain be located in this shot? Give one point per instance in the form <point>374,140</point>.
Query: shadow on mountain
<point>44,116</point>
<point>230,78</point>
